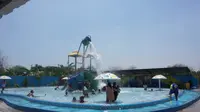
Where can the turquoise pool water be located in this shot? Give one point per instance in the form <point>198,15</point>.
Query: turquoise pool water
<point>18,97</point>
<point>187,97</point>
<point>126,96</point>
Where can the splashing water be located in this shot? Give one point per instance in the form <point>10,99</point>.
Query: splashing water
<point>93,52</point>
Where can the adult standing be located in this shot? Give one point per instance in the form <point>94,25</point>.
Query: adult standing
<point>3,85</point>
<point>174,90</point>
<point>116,90</point>
<point>109,93</point>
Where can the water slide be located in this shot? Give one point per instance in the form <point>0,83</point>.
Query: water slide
<point>65,86</point>
<point>76,82</point>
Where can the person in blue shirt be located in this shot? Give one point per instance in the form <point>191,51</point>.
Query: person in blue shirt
<point>174,90</point>
<point>3,85</point>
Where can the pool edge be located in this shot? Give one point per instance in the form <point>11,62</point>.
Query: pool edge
<point>175,109</point>
<point>81,106</point>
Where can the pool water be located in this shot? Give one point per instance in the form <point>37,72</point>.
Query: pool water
<point>187,97</point>
<point>126,96</point>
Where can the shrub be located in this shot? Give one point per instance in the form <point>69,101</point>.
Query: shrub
<point>170,79</point>
<point>16,85</point>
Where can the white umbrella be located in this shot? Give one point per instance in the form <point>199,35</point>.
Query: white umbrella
<point>5,77</point>
<point>65,78</point>
<point>159,77</point>
<point>107,76</point>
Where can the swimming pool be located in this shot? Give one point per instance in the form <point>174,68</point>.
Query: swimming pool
<point>126,96</point>
<point>20,101</point>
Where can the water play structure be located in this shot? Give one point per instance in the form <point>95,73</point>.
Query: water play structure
<point>82,74</point>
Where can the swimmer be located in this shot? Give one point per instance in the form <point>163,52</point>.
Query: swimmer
<point>81,100</point>
<point>57,87</point>
<point>93,91</point>
<point>31,94</point>
<point>85,91</point>
<point>74,99</point>
<point>145,87</point>
<point>66,92</point>
<point>99,90</point>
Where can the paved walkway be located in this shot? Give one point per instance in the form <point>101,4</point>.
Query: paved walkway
<point>6,108</point>
<point>194,107</point>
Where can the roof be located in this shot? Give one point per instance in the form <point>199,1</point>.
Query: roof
<point>7,6</point>
<point>169,70</point>
<point>74,54</point>
<point>3,3</point>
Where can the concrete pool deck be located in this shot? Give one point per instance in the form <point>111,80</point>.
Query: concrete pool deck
<point>194,107</point>
<point>6,108</point>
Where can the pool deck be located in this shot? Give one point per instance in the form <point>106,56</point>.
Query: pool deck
<point>6,108</point>
<point>194,107</point>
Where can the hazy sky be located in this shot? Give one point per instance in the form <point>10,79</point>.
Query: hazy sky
<point>144,33</point>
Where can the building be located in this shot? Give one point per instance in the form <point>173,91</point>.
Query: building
<point>139,77</point>
<point>7,6</point>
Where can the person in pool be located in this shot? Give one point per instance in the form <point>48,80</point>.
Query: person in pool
<point>57,87</point>
<point>3,86</point>
<point>93,92</point>
<point>109,93</point>
<point>85,91</point>
<point>116,90</point>
<point>174,90</point>
<point>31,94</point>
<point>81,99</point>
<point>74,99</point>
<point>99,90</point>
<point>66,92</point>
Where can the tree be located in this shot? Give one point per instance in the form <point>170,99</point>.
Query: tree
<point>18,70</point>
<point>132,67</point>
<point>178,65</point>
<point>2,63</point>
<point>37,69</point>
<point>115,68</point>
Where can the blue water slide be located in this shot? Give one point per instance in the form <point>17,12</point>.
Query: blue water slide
<point>76,81</point>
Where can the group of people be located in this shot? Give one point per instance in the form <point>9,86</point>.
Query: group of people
<point>112,92</point>
<point>81,99</point>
